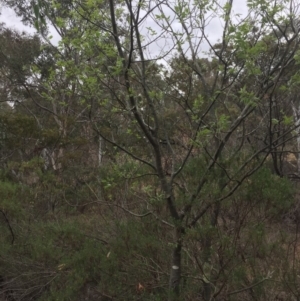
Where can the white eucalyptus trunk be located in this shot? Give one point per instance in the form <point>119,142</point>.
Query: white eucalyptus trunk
<point>296,112</point>
<point>100,151</point>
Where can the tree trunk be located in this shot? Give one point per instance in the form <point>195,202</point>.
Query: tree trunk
<point>175,274</point>
<point>296,112</point>
<point>100,151</point>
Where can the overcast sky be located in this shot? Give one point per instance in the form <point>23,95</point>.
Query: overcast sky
<point>9,17</point>
<point>214,29</point>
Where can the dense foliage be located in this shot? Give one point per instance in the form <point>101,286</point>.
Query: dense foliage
<point>141,159</point>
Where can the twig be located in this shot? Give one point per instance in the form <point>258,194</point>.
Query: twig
<point>9,226</point>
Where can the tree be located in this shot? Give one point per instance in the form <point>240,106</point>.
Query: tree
<point>238,89</point>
